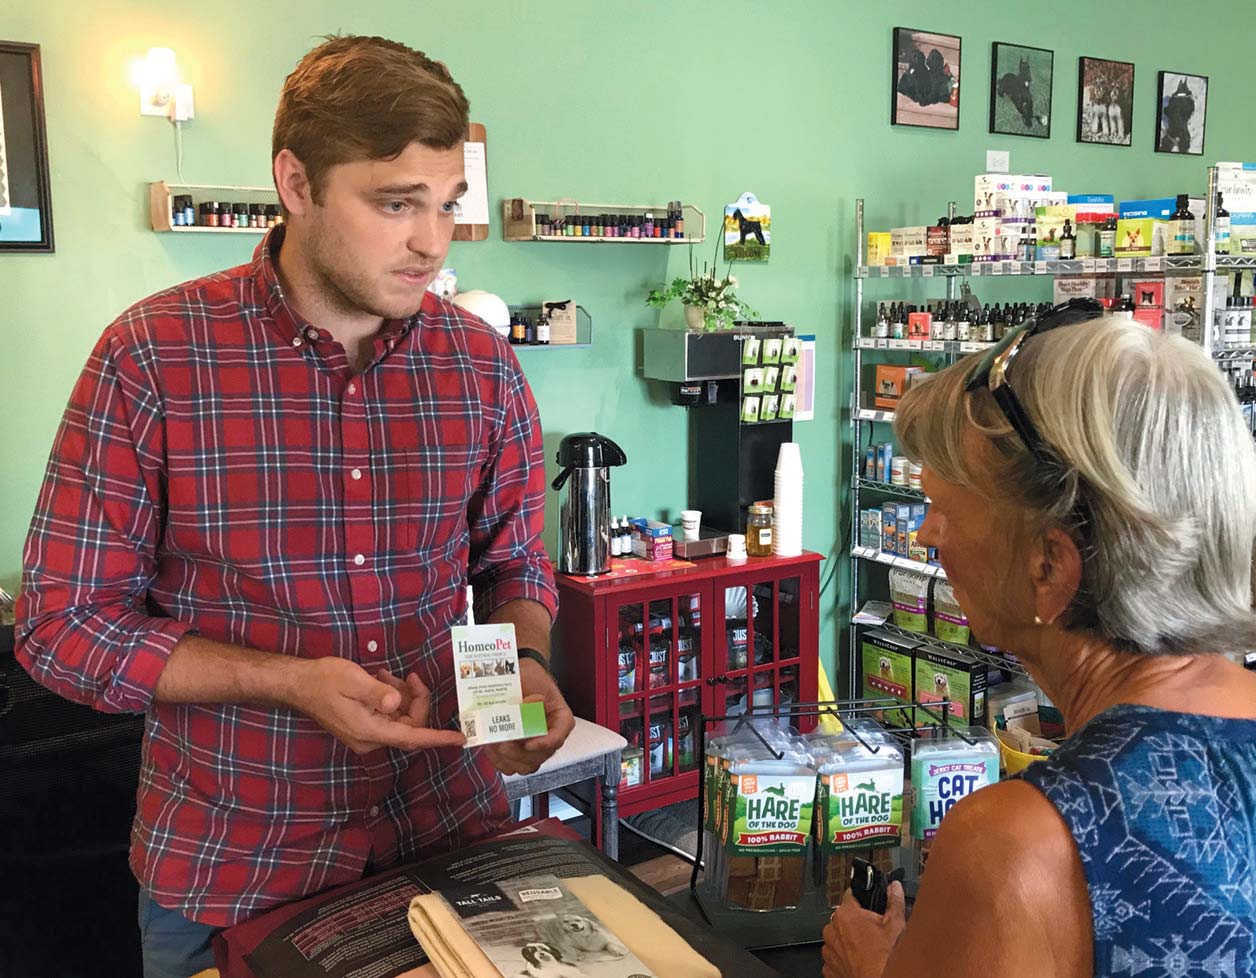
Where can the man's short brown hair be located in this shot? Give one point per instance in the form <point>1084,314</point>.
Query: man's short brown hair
<point>365,98</point>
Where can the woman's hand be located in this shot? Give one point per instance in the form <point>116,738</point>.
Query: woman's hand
<point>858,942</point>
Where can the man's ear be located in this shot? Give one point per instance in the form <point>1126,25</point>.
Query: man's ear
<point>292,182</point>
<point>1055,568</point>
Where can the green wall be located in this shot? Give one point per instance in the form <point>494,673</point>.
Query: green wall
<point>610,101</point>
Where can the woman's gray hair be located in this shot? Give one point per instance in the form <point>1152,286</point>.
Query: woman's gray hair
<point>1154,475</point>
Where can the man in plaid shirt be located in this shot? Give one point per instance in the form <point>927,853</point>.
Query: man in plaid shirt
<point>268,493</point>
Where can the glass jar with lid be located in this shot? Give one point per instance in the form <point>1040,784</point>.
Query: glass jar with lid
<point>759,530</point>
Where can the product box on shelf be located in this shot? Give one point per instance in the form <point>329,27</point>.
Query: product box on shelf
<point>1243,234</point>
<point>961,239</point>
<point>987,187</point>
<point>870,529</point>
<point>919,325</point>
<point>892,382</point>
<point>938,240</point>
<point>651,540</point>
<point>889,527</point>
<point>1150,316</point>
<point>1068,287</point>
<point>1161,210</point>
<point>1183,299</point>
<point>1140,237</point>
<point>993,239</point>
<point>879,247</point>
<point>905,242</point>
<point>950,674</point>
<point>1093,203</point>
<point>887,669</point>
<point>1147,292</point>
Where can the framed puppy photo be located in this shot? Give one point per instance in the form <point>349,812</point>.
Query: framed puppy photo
<point>1020,90</point>
<point>1181,113</point>
<point>1105,102</point>
<point>25,192</point>
<point>926,79</point>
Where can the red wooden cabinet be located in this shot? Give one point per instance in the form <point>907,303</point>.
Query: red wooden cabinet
<point>646,654</point>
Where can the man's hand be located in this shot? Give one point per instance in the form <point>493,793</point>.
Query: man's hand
<point>525,756</point>
<point>366,713</point>
<point>858,942</point>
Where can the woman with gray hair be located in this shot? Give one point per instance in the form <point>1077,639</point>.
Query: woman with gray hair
<point>1093,494</point>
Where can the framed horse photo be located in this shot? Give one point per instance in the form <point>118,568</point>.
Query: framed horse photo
<point>25,194</point>
<point>1020,90</point>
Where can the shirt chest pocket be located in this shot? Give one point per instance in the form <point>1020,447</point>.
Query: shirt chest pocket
<point>434,488</point>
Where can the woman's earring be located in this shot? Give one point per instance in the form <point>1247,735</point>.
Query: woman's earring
<point>1037,620</point>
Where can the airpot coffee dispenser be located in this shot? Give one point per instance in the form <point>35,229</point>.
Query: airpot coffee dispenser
<point>584,543</point>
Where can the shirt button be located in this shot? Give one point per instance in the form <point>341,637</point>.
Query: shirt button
<point>359,559</point>
<point>296,341</point>
<point>353,388</point>
<point>374,811</point>
<point>372,645</point>
<point>356,473</point>
<point>311,333</point>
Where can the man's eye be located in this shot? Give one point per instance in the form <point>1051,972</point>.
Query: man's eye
<point>453,207</point>
<point>395,206</point>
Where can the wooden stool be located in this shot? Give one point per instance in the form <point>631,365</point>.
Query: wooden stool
<point>590,753</point>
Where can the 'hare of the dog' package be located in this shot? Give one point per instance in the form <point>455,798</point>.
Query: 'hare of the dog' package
<point>490,699</point>
<point>859,804</point>
<point>763,822</point>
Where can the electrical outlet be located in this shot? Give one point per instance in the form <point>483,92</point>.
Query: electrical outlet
<point>998,161</point>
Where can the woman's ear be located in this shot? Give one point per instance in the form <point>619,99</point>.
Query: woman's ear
<point>1056,574</point>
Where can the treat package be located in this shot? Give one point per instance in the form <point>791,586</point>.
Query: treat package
<point>859,805</point>
<point>765,823</point>
<point>949,621</point>
<point>909,591</point>
<point>946,768</point>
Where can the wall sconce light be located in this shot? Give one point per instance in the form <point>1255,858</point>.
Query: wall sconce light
<point>162,93</point>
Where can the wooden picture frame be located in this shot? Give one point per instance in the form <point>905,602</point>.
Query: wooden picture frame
<point>1105,102</point>
<point>25,188</point>
<point>1017,103</point>
<point>1177,131</point>
<point>925,77</point>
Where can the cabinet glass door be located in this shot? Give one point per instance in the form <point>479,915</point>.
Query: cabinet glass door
<point>660,676</point>
<point>759,657</point>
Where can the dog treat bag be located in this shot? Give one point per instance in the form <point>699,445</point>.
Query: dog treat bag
<point>769,804</point>
<point>949,621</point>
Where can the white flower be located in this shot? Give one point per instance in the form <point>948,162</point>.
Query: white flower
<point>732,280</point>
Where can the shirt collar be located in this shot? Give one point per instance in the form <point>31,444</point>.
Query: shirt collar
<point>292,327</point>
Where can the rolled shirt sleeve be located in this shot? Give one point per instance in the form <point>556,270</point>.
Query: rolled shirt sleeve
<point>506,516</point>
<point>84,628</point>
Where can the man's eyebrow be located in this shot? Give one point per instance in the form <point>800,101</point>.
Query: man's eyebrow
<point>402,189</point>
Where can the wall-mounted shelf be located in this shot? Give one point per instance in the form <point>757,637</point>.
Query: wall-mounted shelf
<point>1158,264</point>
<point>161,209</point>
<point>584,329</point>
<point>519,221</point>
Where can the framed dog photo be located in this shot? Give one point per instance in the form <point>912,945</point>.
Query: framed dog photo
<point>1105,101</point>
<point>1020,90</point>
<point>1181,112</point>
<point>747,229</point>
<point>926,79</point>
<point>25,194</point>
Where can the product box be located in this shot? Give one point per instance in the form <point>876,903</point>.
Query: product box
<point>987,187</point>
<point>889,527</point>
<point>870,528</point>
<point>486,677</point>
<point>951,674</point>
<point>879,247</point>
<point>891,384</point>
<point>1162,209</point>
<point>1136,236</point>
<point>1083,287</point>
<point>1147,292</point>
<point>651,540</point>
<point>1183,300</point>
<point>1093,203</point>
<point>905,242</point>
<point>993,239</point>
<point>961,239</point>
<point>916,551</point>
<point>1243,234</point>
<point>919,325</point>
<point>938,240</point>
<point>1150,316</point>
<point>887,668</point>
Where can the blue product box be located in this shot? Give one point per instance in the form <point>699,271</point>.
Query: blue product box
<point>889,527</point>
<point>887,459</point>
<point>1086,199</point>
<point>1161,208</point>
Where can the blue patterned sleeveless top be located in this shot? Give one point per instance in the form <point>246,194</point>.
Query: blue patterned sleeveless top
<point>1163,809</point>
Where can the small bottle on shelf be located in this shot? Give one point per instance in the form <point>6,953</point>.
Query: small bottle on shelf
<point>1107,238</point>
<point>617,540</point>
<point>518,331</point>
<point>1222,234</point>
<point>1182,228</point>
<point>1068,242</point>
<point>542,329</point>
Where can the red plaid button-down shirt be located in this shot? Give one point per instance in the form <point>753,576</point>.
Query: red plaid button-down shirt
<point>219,470</point>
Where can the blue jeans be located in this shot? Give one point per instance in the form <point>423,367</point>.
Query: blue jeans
<point>174,947</point>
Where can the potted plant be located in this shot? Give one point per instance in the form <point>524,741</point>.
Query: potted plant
<point>710,301</point>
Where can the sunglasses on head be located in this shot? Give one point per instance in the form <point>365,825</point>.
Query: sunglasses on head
<point>992,372</point>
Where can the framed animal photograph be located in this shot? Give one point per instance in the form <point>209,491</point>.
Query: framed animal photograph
<point>926,79</point>
<point>1181,112</point>
<point>747,229</point>
<point>25,194</point>
<point>1105,102</point>
<point>1020,90</point>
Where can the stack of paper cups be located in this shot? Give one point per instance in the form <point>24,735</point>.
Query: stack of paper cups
<point>787,507</point>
